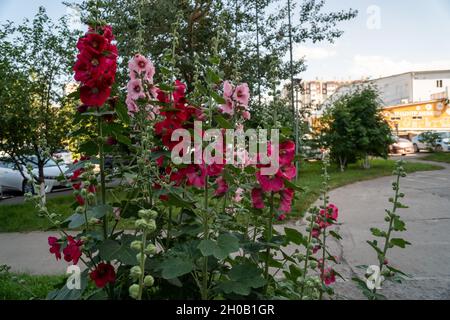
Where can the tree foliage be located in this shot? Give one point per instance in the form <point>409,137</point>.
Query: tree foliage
<point>354,128</point>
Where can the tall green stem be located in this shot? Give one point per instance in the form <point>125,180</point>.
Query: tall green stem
<point>308,253</point>
<point>204,288</point>
<point>142,265</point>
<point>102,175</point>
<point>269,234</point>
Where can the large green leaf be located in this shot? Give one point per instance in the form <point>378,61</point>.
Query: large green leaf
<point>399,242</point>
<point>294,236</point>
<point>175,267</point>
<point>220,249</point>
<point>113,250</point>
<point>242,278</point>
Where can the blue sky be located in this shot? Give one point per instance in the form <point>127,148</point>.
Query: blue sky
<point>392,37</point>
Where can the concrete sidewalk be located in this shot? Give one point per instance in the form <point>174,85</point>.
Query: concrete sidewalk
<point>361,206</point>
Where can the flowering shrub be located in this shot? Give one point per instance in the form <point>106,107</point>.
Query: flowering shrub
<point>203,228</point>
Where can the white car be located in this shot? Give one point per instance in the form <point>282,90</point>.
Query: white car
<point>401,146</point>
<point>11,178</point>
<point>64,155</point>
<point>442,144</point>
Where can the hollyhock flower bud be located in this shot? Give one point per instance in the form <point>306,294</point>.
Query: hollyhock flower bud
<point>385,262</point>
<point>147,214</point>
<point>136,245</point>
<point>140,224</point>
<point>149,281</point>
<point>135,272</point>
<point>139,256</point>
<point>134,291</point>
<point>313,264</point>
<point>150,250</point>
<point>79,210</point>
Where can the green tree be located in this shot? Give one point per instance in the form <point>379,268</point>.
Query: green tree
<point>36,60</point>
<point>354,128</point>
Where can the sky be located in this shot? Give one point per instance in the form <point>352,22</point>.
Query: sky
<point>387,37</point>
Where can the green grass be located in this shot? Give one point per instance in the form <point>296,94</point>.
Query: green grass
<point>310,178</point>
<point>26,287</point>
<point>23,217</point>
<point>439,157</point>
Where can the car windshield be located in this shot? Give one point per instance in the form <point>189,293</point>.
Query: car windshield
<point>444,135</point>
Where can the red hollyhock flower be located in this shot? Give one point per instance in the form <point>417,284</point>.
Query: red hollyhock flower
<point>94,96</point>
<point>72,251</point>
<point>103,274</point>
<point>55,247</point>
<point>287,172</point>
<point>179,93</point>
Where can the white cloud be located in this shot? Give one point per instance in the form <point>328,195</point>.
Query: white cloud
<point>379,66</point>
<point>313,53</point>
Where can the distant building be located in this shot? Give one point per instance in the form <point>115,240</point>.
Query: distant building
<point>413,102</point>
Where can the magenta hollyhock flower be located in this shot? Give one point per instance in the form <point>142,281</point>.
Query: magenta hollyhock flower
<point>213,170</point>
<point>222,187</point>
<point>328,276</point>
<point>287,152</point>
<point>287,172</point>
<point>55,247</point>
<point>135,89</point>
<point>196,175</point>
<point>242,94</point>
<point>330,213</point>
<point>270,183</point>
<point>227,90</point>
<point>72,251</point>
<point>286,200</point>
<point>257,198</point>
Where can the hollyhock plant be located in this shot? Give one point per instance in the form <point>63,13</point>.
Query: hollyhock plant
<point>257,198</point>
<point>222,187</point>
<point>103,274</point>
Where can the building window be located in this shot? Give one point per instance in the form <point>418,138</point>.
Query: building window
<point>417,118</point>
<point>439,84</point>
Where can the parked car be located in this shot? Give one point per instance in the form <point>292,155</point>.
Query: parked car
<point>12,179</point>
<point>64,155</point>
<point>442,143</point>
<point>401,146</point>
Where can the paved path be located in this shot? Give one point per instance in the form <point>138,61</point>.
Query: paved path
<point>428,223</point>
<point>361,207</point>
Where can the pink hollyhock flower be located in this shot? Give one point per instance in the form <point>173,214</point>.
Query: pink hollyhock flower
<point>135,89</point>
<point>55,247</point>
<point>257,198</point>
<point>138,65</point>
<point>238,195</point>
<point>246,115</point>
<point>316,249</point>
<point>222,187</point>
<point>286,200</point>
<point>281,217</point>
<point>103,274</point>
<point>131,105</point>
<point>242,94</point>
<point>315,233</point>
<point>196,175</point>
<point>72,251</point>
<point>328,276</point>
<point>287,172</point>
<point>270,183</point>
<point>227,90</point>
<point>228,107</point>
<point>287,152</point>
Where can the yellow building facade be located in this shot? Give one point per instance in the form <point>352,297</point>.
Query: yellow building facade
<point>411,119</point>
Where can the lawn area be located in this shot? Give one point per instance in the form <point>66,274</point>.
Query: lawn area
<point>439,157</point>
<point>23,217</point>
<point>26,287</point>
<point>311,179</point>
